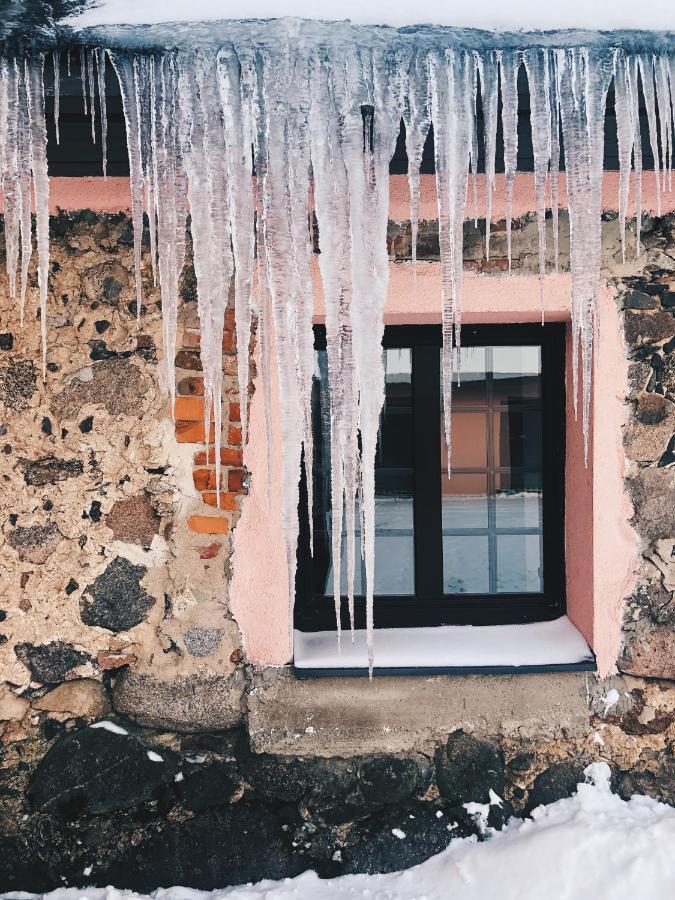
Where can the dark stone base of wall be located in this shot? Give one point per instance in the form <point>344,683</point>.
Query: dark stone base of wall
<point>144,809</point>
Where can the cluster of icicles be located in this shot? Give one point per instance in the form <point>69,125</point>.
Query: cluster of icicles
<point>320,127</point>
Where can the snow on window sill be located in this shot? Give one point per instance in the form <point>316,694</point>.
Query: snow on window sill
<point>447,649</point>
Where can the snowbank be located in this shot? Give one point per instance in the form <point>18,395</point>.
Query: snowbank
<point>594,845</point>
<point>530,15</point>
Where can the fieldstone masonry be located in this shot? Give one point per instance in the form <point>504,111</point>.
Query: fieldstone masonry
<point>114,613</point>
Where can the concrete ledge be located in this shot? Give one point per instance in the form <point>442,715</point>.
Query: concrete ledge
<point>348,716</point>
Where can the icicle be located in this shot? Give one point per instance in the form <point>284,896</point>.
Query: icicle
<point>127,74</point>
<point>167,205</point>
<point>417,119</point>
<point>100,72</point>
<point>583,81</point>
<point>555,157</point>
<point>236,87</point>
<point>626,138</point>
<point>83,80</point>
<point>9,168</point>
<point>665,118</point>
<point>452,144</point>
<point>637,146</point>
<point>646,64</point>
<point>56,61</point>
<point>68,62</point>
<point>24,178</point>
<point>34,69</point>
<point>537,66</point>
<point>92,93</point>
<point>509,65</point>
<point>489,86</point>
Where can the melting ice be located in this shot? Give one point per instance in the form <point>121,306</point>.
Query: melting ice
<point>314,112</point>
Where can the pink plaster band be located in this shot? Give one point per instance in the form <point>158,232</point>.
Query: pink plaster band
<point>113,195</point>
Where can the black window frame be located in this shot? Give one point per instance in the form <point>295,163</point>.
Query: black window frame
<point>429,606</point>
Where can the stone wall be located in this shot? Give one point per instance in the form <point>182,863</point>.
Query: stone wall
<point>114,608</point>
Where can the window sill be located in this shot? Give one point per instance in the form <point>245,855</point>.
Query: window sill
<point>447,650</point>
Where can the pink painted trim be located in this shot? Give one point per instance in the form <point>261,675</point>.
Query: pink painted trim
<point>113,195</point>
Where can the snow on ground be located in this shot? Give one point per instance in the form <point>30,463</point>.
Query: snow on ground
<point>529,15</point>
<point>593,846</point>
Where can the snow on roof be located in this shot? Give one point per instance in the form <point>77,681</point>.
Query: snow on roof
<point>519,15</point>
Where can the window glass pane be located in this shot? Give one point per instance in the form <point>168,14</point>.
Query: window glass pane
<point>466,564</point>
<point>516,438</point>
<point>470,387</point>
<point>519,563</point>
<point>492,503</point>
<point>469,440</point>
<point>394,532</point>
<point>464,501</point>
<point>518,500</point>
<point>516,374</point>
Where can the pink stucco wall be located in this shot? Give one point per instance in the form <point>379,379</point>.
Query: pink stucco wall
<point>601,549</point>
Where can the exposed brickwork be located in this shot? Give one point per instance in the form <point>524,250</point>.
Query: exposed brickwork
<point>189,413</point>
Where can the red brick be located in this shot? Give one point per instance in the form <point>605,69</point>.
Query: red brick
<point>229,318</point>
<point>189,409</point>
<point>209,524</point>
<point>192,432</point>
<point>234,480</point>
<point>235,412</point>
<point>234,435</point>
<point>204,479</point>
<point>192,386</point>
<point>228,500</point>
<point>229,456</point>
<point>229,342</point>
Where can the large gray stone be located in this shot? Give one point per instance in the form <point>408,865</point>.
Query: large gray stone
<point>468,769</point>
<point>18,380</point>
<point>115,384</point>
<point>116,600</point>
<point>187,704</point>
<point>651,655</point>
<point>50,663</point>
<point>49,470</point>
<point>94,771</point>
<point>653,494</point>
<point>35,543</point>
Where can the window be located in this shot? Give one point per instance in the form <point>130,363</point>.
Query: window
<point>484,546</point>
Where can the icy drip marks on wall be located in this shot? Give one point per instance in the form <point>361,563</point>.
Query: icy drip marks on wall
<point>317,120</point>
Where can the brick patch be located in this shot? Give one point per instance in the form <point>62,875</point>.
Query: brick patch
<point>189,414</point>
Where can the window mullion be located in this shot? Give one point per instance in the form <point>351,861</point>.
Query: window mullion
<point>427,479</point>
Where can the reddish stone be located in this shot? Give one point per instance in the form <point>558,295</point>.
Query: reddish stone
<point>234,435</point>
<point>235,412</point>
<point>188,359</point>
<point>210,551</point>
